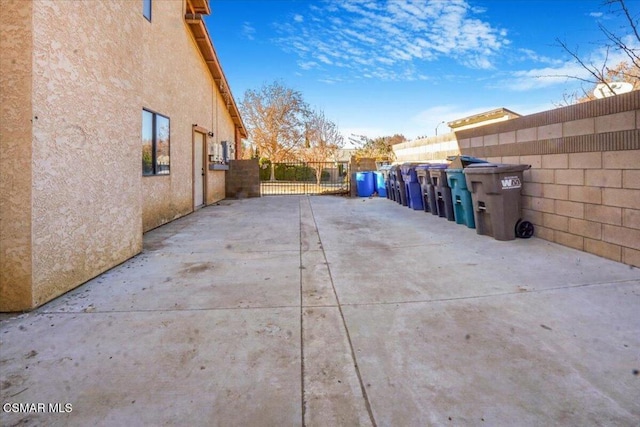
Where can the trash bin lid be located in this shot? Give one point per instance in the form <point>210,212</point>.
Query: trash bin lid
<point>438,166</point>
<point>494,168</point>
<point>464,161</point>
<point>396,170</point>
<point>408,166</point>
<point>468,159</point>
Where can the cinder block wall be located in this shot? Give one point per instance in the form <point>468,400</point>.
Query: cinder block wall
<point>583,188</point>
<point>242,179</point>
<point>433,148</point>
<point>362,164</point>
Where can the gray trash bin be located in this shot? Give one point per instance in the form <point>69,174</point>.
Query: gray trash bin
<point>495,191</point>
<point>399,187</point>
<point>422,171</point>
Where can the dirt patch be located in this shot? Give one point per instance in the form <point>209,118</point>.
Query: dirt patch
<point>196,267</point>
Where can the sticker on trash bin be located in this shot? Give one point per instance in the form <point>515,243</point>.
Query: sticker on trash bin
<point>509,182</point>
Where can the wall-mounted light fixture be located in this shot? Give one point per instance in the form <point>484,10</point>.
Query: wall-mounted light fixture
<point>210,134</point>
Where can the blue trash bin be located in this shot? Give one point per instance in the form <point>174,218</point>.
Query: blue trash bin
<point>364,184</point>
<point>412,186</point>
<point>382,184</point>
<point>379,181</point>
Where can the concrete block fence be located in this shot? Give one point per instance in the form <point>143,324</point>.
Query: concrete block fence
<point>583,188</point>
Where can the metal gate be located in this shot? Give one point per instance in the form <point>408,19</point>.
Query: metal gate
<point>304,178</point>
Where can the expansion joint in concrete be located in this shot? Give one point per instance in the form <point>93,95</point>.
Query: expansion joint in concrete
<point>302,402</point>
<point>344,323</point>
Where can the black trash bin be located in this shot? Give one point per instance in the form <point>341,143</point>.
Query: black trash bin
<point>400,190</point>
<point>422,171</point>
<point>441,193</point>
<point>392,182</point>
<point>495,192</point>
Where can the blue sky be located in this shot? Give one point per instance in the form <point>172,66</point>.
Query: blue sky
<point>401,66</point>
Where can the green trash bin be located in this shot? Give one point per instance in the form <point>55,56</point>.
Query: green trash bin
<point>460,195</point>
<point>495,190</point>
<point>460,198</point>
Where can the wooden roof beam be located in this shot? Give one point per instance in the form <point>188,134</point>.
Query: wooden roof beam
<point>205,45</point>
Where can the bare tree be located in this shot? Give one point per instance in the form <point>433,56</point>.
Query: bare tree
<point>380,148</point>
<point>323,140</point>
<point>604,73</point>
<point>275,116</point>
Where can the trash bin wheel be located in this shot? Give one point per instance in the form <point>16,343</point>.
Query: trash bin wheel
<point>524,229</point>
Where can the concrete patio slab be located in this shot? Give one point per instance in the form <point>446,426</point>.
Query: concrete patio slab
<point>182,280</point>
<point>437,259</point>
<point>536,359</point>
<point>327,311</point>
<point>182,367</point>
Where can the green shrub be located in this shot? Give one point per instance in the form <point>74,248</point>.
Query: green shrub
<point>287,172</point>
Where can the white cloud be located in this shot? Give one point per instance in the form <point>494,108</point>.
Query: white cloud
<point>248,31</point>
<point>425,122</point>
<point>531,55</point>
<point>330,81</point>
<point>359,36</point>
<point>385,60</point>
<point>431,117</point>
<point>369,132</point>
<point>561,72</point>
<point>387,38</point>
<point>324,59</point>
<point>526,80</point>
<point>478,62</point>
<point>307,65</point>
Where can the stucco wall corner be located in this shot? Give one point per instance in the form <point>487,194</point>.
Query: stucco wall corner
<point>15,155</point>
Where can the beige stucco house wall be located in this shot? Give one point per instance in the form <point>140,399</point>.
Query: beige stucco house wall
<point>74,79</point>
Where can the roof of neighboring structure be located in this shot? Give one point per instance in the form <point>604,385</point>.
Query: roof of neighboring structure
<point>344,154</point>
<point>195,10</point>
<point>482,117</point>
